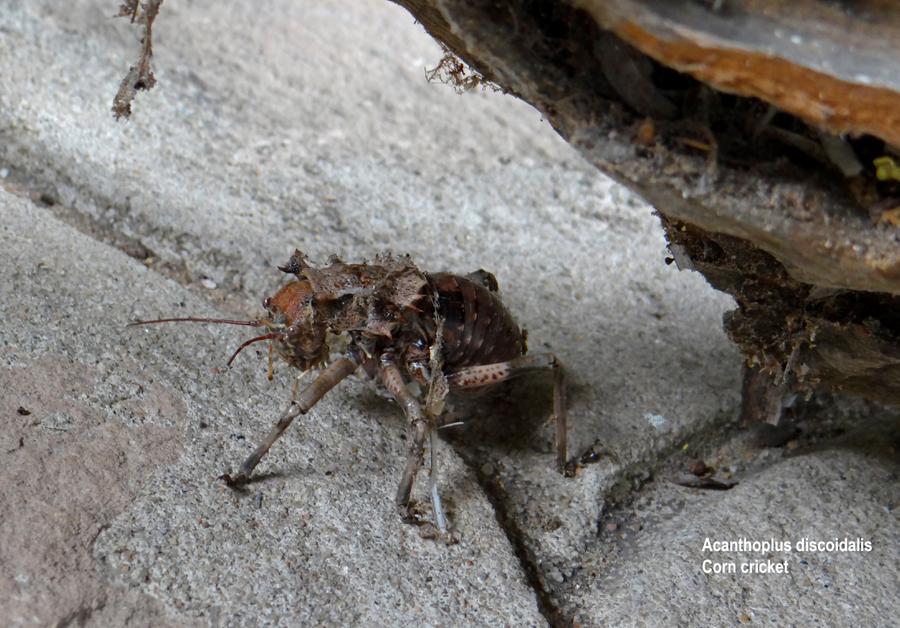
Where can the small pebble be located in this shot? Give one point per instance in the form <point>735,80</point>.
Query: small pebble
<point>698,467</point>
<point>208,283</point>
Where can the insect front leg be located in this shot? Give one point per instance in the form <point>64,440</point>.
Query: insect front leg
<point>417,433</point>
<point>327,379</point>
<point>486,374</point>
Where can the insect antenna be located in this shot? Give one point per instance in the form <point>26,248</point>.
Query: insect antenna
<point>193,319</point>
<point>270,336</point>
<point>220,321</point>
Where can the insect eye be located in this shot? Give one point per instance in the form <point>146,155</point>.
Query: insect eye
<point>267,303</point>
<point>293,330</point>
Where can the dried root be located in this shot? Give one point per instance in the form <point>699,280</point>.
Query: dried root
<point>140,76</point>
<point>451,70</point>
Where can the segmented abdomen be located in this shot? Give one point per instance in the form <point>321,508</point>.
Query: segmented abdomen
<point>478,329</point>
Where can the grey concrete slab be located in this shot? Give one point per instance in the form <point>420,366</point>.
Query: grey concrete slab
<point>279,125</point>
<point>113,442</point>
<point>837,508</point>
<point>238,156</point>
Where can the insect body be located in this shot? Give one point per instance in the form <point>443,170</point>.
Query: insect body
<point>447,333</point>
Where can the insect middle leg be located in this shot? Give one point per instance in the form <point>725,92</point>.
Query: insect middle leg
<point>318,388</point>
<point>417,433</point>
<point>486,374</point>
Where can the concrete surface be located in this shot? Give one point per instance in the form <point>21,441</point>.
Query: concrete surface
<point>114,479</point>
<point>649,566</point>
<point>290,124</point>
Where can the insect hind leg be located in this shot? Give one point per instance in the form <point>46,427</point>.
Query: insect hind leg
<point>487,374</point>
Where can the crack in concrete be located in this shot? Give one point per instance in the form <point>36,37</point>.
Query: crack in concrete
<point>105,233</point>
<point>518,540</point>
<point>81,615</point>
<point>626,486</point>
<point>42,189</point>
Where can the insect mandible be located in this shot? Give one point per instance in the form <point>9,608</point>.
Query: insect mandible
<point>446,333</point>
